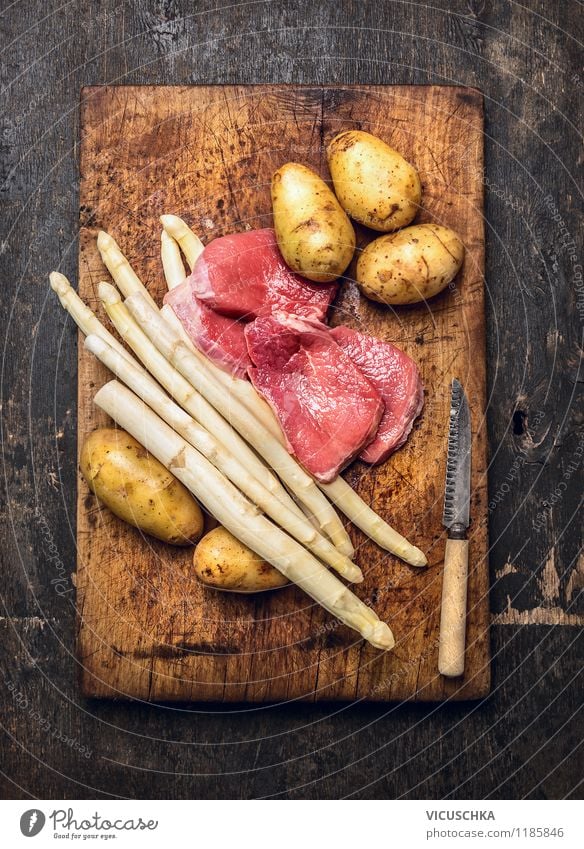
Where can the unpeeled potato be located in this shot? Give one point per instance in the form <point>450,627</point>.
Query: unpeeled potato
<point>410,266</point>
<point>138,489</point>
<point>224,563</point>
<point>373,182</point>
<point>314,235</point>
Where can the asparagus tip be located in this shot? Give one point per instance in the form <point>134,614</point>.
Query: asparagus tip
<point>173,225</point>
<point>108,293</point>
<point>380,636</point>
<point>104,240</point>
<point>94,343</point>
<point>354,574</point>
<point>416,557</point>
<point>59,282</point>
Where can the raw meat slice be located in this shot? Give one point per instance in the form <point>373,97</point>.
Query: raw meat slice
<point>397,379</point>
<point>222,339</point>
<point>245,276</point>
<point>327,409</point>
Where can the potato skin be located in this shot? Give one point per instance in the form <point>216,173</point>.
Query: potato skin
<point>410,266</point>
<point>373,182</point>
<point>224,563</point>
<point>138,489</point>
<point>314,235</point>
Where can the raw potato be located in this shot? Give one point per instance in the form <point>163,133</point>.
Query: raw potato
<point>314,235</point>
<point>138,489</point>
<point>373,182</point>
<point>410,266</point>
<point>224,563</point>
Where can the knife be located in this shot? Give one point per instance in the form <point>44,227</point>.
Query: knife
<point>455,518</point>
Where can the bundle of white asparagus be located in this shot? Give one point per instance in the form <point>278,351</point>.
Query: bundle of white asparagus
<point>221,439</point>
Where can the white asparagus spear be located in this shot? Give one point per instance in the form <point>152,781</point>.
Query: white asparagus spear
<point>149,391</point>
<point>239,515</point>
<point>290,472</point>
<point>120,269</point>
<point>339,491</point>
<point>191,245</point>
<point>352,505</point>
<point>185,395</point>
<point>83,317</point>
<point>172,264</point>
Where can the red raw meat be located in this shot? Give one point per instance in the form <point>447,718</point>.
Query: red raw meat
<point>327,409</point>
<point>245,276</point>
<point>397,379</point>
<point>222,339</point>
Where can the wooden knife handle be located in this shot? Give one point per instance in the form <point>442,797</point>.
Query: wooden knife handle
<point>453,612</point>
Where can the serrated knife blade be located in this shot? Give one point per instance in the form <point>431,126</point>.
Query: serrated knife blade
<point>456,513</point>
<point>456,516</point>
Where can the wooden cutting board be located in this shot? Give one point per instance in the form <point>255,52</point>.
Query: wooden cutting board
<point>147,630</point>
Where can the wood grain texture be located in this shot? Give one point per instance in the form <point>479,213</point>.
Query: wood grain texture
<point>147,628</point>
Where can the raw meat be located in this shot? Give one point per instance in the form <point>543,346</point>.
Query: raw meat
<point>222,339</point>
<point>397,379</point>
<point>244,276</point>
<point>327,409</point>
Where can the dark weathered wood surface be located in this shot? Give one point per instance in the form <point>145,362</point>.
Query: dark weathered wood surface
<point>147,628</point>
<point>523,739</point>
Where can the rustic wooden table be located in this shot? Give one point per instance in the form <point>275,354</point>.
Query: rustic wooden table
<point>523,739</point>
